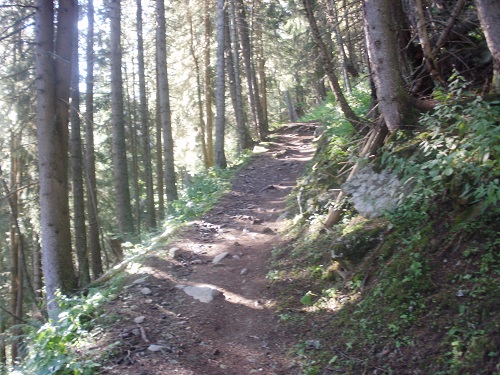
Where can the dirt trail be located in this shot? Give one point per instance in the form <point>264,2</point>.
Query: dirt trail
<point>163,330</point>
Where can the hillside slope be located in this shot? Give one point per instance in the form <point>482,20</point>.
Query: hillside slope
<point>408,290</point>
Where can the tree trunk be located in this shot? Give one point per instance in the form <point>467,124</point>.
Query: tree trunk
<point>199,102</point>
<point>166,118</point>
<point>90,173</point>
<point>243,131</point>
<point>253,88</point>
<point>77,172</point>
<point>208,87</point>
<point>329,68</point>
<point>261,64</point>
<point>16,271</point>
<point>392,97</point>
<point>430,61</point>
<point>335,22</point>
<point>145,136</point>
<point>53,86</point>
<point>489,16</point>
<point>220,121</point>
<point>243,135</point>
<point>119,150</point>
<point>3,328</point>
<point>292,113</point>
<point>160,180</point>
<point>37,270</point>
<point>131,134</point>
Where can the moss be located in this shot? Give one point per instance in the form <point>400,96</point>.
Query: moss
<point>353,246</point>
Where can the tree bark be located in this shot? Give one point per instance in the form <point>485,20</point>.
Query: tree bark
<point>16,270</point>
<point>334,20</point>
<point>131,135</point>
<point>329,68</point>
<point>253,88</point>
<point>394,102</point>
<point>166,118</point>
<point>160,180</point>
<point>145,136</point>
<point>119,150</point>
<point>77,172</point>
<point>430,61</point>
<point>244,138</point>
<point>208,87</point>
<point>292,113</point>
<point>90,173</point>
<point>261,64</point>
<point>489,16</point>
<point>199,102</point>
<point>220,121</point>
<point>53,71</point>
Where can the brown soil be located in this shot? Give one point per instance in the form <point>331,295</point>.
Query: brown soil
<point>239,331</point>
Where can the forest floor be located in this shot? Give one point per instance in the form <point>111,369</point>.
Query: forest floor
<point>202,304</point>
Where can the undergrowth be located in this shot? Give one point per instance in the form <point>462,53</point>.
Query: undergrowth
<point>203,191</point>
<point>57,347</point>
<point>335,146</point>
<point>425,296</point>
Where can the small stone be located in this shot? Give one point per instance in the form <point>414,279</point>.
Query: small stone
<point>141,280</point>
<point>146,291</point>
<point>155,348</point>
<point>148,301</point>
<point>203,293</point>
<point>173,252</point>
<point>244,271</point>
<point>139,319</point>
<point>267,230</point>
<point>218,258</point>
<point>313,344</point>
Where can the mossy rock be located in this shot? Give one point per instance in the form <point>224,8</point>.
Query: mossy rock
<point>354,245</point>
<point>350,249</point>
<point>339,270</point>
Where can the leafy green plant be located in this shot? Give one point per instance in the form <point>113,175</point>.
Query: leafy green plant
<point>203,191</point>
<point>458,153</point>
<point>51,349</point>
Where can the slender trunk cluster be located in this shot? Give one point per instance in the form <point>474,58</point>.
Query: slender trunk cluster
<point>53,92</point>
<point>164,98</point>
<point>119,149</point>
<point>94,241</point>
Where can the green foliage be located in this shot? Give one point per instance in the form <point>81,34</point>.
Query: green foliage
<point>203,191</point>
<point>53,348</point>
<point>432,279</point>
<point>337,142</point>
<point>458,153</point>
<point>330,114</point>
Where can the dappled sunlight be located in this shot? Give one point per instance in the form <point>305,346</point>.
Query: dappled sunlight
<point>239,299</point>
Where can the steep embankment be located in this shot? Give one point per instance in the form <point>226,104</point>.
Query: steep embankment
<point>415,290</point>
